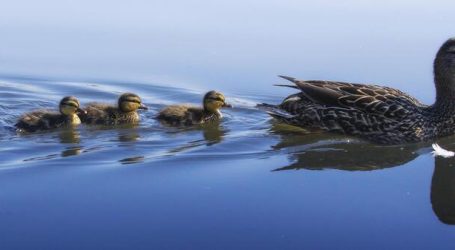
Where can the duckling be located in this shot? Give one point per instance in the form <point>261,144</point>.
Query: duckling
<point>185,115</point>
<point>45,119</point>
<point>379,114</point>
<point>105,114</point>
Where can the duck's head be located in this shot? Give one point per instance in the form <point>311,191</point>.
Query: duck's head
<point>444,69</point>
<point>213,101</point>
<point>69,106</point>
<point>129,102</point>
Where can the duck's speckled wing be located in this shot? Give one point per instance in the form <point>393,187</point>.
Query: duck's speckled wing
<point>384,101</point>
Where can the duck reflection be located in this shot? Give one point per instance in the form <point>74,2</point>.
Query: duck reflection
<point>443,189</point>
<point>325,151</point>
<point>70,136</point>
<point>321,151</point>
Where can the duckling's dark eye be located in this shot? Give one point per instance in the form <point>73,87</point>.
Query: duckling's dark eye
<point>216,99</point>
<point>70,104</point>
<point>135,101</point>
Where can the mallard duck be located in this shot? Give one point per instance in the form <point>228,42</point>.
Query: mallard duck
<point>380,114</point>
<point>124,113</point>
<point>186,115</point>
<point>46,119</point>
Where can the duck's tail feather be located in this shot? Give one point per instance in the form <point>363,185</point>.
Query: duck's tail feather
<point>286,85</point>
<point>275,111</point>
<point>266,106</point>
<point>292,79</point>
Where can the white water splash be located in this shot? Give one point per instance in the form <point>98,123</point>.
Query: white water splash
<point>438,151</point>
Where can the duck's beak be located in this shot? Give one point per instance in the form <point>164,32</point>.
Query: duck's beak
<point>227,105</point>
<point>80,111</point>
<point>143,107</point>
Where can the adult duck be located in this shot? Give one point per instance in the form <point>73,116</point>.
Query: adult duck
<point>379,114</point>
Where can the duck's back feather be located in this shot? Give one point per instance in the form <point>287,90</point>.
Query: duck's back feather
<point>40,120</point>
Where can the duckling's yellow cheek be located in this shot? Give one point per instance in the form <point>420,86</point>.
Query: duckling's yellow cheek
<point>211,106</point>
<point>129,106</point>
<point>68,110</point>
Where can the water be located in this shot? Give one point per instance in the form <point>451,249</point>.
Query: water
<point>244,183</point>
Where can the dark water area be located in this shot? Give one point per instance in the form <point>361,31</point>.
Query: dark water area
<point>244,183</point>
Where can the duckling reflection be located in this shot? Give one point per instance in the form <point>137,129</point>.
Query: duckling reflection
<point>443,190</point>
<point>324,151</point>
<point>132,160</point>
<point>127,136</point>
<point>70,136</point>
<point>213,133</point>
<point>130,135</point>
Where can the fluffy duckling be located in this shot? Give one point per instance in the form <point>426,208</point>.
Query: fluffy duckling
<point>185,115</point>
<point>45,119</point>
<point>124,113</point>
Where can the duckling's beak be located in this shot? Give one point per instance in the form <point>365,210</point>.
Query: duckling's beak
<point>143,107</point>
<point>227,105</point>
<point>80,111</point>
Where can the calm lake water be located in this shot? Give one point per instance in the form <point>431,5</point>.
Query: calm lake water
<point>247,182</point>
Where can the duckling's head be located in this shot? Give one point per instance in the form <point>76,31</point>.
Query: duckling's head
<point>213,101</point>
<point>69,106</point>
<point>444,69</point>
<point>129,102</point>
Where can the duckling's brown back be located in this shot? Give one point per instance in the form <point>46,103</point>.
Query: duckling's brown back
<point>181,115</point>
<point>40,120</point>
<point>105,114</point>
<point>97,113</point>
